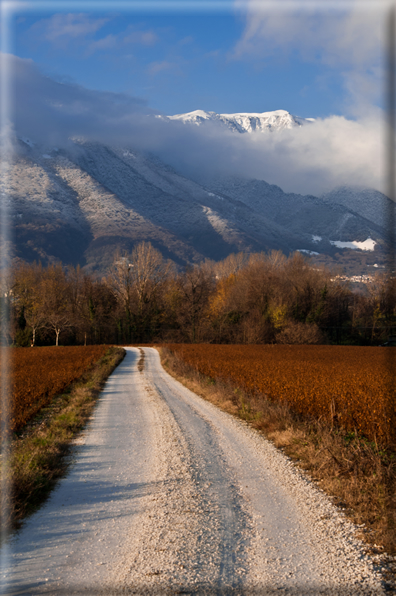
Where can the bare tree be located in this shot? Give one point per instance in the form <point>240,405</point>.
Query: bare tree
<point>299,333</point>
<point>28,290</point>
<point>231,265</point>
<point>148,271</point>
<point>194,287</point>
<point>120,278</point>
<point>56,301</point>
<point>135,279</point>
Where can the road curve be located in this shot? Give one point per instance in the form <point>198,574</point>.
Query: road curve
<point>167,494</point>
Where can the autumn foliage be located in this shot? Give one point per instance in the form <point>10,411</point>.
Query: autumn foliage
<point>38,374</point>
<point>352,387</point>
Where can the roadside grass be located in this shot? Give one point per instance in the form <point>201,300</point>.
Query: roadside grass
<point>37,455</point>
<point>359,476</point>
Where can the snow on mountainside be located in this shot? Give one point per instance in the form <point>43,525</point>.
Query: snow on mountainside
<point>82,204</point>
<point>368,202</point>
<point>331,220</point>
<point>79,206</point>
<point>245,122</point>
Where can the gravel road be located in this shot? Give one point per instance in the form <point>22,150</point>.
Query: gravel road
<point>167,494</point>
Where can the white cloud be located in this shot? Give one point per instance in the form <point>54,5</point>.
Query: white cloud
<point>347,37</point>
<point>155,68</point>
<point>310,159</point>
<point>186,40</point>
<point>65,30</point>
<point>106,43</point>
<point>331,152</point>
<point>61,28</point>
<point>50,111</point>
<point>338,34</point>
<point>146,38</point>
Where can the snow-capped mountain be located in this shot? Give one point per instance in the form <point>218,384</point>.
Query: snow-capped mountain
<point>81,205</point>
<point>244,122</point>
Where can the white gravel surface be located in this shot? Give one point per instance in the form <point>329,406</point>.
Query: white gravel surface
<point>167,494</point>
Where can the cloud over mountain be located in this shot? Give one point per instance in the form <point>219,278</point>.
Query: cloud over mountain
<point>311,159</point>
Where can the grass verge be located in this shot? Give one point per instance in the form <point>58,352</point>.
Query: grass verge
<point>37,454</point>
<point>360,477</point>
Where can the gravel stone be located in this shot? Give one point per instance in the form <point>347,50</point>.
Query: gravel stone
<point>169,495</point>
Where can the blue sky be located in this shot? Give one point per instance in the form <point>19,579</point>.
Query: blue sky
<point>77,71</point>
<point>179,61</point>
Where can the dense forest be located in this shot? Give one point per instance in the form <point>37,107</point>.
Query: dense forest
<point>246,298</point>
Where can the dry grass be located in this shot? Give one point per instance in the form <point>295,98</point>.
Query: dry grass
<point>359,476</point>
<point>140,364</point>
<point>38,375</point>
<point>36,456</point>
<point>351,386</point>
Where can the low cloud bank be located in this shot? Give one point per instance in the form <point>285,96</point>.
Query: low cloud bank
<point>311,159</point>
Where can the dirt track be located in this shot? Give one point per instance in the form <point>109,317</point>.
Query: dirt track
<point>167,494</point>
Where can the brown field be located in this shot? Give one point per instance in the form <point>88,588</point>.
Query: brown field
<point>352,387</point>
<point>38,374</point>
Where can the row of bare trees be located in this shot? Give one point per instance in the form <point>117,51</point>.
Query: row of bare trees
<point>257,298</point>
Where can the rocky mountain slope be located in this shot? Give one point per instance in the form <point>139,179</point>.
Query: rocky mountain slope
<point>82,204</point>
<point>369,203</point>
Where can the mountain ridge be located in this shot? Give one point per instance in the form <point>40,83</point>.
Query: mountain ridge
<point>244,122</point>
<point>80,205</point>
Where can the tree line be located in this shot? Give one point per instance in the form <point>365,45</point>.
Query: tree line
<point>246,298</point>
